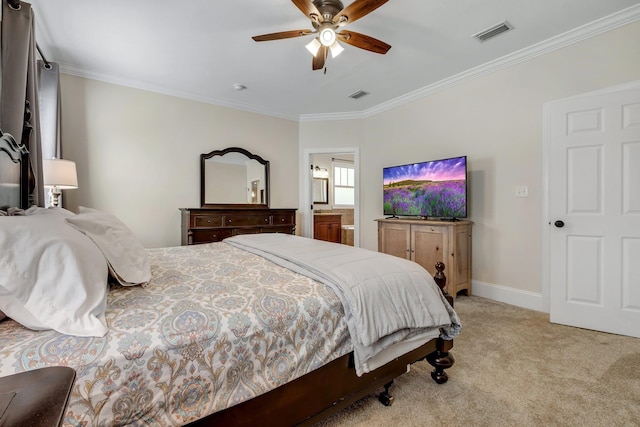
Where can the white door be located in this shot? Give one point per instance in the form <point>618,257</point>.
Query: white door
<point>594,211</point>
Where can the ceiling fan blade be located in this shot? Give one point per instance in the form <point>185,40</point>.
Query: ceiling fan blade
<point>309,9</point>
<point>357,10</point>
<point>282,35</point>
<point>363,42</point>
<point>320,58</point>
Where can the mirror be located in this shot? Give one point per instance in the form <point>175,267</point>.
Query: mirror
<point>233,177</point>
<point>321,191</point>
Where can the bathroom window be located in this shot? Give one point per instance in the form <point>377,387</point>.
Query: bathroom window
<point>343,184</point>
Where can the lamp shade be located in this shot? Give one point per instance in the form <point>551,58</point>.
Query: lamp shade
<point>313,46</point>
<point>336,49</point>
<point>59,173</point>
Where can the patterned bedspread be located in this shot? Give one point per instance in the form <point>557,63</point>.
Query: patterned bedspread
<point>215,326</point>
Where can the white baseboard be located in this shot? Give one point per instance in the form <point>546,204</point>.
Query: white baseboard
<point>517,297</point>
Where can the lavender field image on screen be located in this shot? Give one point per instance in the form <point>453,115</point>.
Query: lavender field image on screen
<point>429,189</point>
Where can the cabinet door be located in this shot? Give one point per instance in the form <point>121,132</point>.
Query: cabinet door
<point>393,239</point>
<point>461,258</point>
<point>321,231</point>
<point>327,231</point>
<point>335,233</point>
<point>428,246</point>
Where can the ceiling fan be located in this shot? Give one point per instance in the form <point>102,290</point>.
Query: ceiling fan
<point>327,17</point>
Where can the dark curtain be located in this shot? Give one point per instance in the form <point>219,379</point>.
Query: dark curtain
<point>29,92</point>
<point>49,98</point>
<point>19,105</point>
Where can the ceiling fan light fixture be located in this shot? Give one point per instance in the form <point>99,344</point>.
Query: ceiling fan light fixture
<point>327,36</point>
<point>313,46</point>
<point>336,49</point>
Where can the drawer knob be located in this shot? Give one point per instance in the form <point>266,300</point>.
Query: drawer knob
<point>266,220</point>
<point>229,220</point>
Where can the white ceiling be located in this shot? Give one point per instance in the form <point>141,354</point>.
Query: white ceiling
<point>198,49</point>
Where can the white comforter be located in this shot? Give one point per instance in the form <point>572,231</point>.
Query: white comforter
<point>386,299</point>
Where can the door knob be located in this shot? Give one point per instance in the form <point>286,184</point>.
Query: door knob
<point>559,223</point>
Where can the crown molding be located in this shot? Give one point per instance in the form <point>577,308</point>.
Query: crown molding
<point>575,35</point>
<point>608,23</point>
<point>107,78</point>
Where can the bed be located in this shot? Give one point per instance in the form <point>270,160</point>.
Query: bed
<point>228,333</point>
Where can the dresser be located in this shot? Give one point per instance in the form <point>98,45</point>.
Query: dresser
<point>213,224</point>
<point>427,242</point>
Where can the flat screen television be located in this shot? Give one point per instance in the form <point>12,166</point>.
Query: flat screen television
<point>432,189</point>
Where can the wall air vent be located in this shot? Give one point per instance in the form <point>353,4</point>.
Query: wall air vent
<point>358,94</point>
<point>493,31</point>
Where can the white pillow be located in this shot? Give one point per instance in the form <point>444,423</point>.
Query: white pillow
<point>127,258</point>
<point>51,276</point>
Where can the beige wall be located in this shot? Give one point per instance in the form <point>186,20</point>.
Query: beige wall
<point>496,120</point>
<point>138,153</point>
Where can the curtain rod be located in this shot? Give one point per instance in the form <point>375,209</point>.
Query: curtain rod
<point>333,159</point>
<point>47,65</point>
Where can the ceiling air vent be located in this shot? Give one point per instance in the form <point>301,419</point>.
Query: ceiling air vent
<point>493,31</point>
<point>358,94</point>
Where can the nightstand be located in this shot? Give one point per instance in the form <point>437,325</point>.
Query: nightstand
<point>36,398</point>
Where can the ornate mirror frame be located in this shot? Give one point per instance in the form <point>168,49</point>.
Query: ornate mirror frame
<point>250,156</point>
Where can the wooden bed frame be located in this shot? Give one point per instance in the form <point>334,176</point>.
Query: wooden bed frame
<point>313,396</point>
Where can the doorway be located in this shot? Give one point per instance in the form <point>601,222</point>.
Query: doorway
<point>322,165</point>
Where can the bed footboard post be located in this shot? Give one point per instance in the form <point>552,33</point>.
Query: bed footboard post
<point>441,281</point>
<point>441,359</point>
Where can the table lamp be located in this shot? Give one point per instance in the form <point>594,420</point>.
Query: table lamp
<point>59,175</point>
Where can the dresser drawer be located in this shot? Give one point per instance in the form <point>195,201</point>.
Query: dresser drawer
<point>208,236</point>
<point>283,219</point>
<point>244,220</point>
<point>207,220</point>
<point>250,230</point>
<point>287,229</point>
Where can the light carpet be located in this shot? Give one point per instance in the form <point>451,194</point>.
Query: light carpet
<point>515,368</point>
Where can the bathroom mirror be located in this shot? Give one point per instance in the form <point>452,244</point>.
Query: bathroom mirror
<point>233,177</point>
<point>321,191</point>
